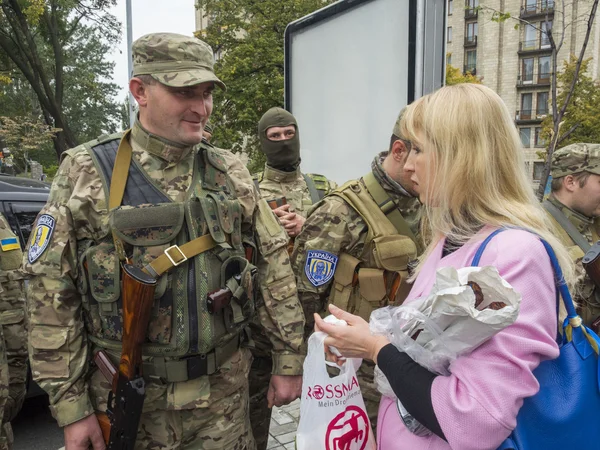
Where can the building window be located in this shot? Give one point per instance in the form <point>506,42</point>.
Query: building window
<point>542,103</point>
<point>538,169</point>
<point>527,70</point>
<point>471,32</point>
<point>546,27</point>
<point>471,59</point>
<point>544,69</point>
<point>472,4</point>
<point>539,140</point>
<point>530,6</point>
<point>526,106</point>
<point>525,137</point>
<point>530,40</point>
<point>449,35</point>
<point>449,59</point>
<point>450,7</point>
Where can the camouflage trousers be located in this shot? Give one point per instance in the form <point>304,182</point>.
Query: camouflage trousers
<point>5,429</point>
<point>260,414</point>
<point>209,413</point>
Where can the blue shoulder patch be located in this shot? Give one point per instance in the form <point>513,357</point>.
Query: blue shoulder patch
<point>320,266</point>
<point>40,238</point>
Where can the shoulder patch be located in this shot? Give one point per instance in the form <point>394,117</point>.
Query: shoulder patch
<point>9,244</point>
<point>320,266</point>
<point>41,237</point>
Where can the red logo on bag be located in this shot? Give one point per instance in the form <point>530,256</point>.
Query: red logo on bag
<point>318,392</point>
<point>348,427</point>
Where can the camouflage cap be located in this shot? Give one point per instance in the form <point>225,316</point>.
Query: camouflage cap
<point>208,128</point>
<point>174,59</point>
<point>396,131</point>
<point>576,158</point>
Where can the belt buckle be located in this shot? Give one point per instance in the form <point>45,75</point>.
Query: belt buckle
<point>176,247</point>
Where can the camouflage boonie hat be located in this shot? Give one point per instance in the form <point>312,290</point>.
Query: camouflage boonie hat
<point>174,60</point>
<point>396,132</point>
<point>576,158</point>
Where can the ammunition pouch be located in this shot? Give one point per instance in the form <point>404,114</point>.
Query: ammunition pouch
<point>239,278</point>
<point>344,281</point>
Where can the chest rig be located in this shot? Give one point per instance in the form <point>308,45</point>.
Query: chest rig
<point>378,277</point>
<point>195,247</point>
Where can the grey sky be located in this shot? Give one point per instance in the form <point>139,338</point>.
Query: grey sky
<point>149,16</point>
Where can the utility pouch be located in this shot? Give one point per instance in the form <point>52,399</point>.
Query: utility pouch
<point>373,292</point>
<point>344,281</point>
<point>239,281</point>
<point>394,252</point>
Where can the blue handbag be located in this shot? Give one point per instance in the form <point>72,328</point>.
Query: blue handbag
<point>564,413</point>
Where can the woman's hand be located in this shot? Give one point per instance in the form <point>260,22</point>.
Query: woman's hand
<point>353,341</point>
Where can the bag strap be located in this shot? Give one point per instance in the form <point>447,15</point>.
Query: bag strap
<point>388,206</point>
<point>567,225</point>
<point>561,285</point>
<point>312,189</point>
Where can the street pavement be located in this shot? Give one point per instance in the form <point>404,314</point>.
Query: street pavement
<point>34,427</point>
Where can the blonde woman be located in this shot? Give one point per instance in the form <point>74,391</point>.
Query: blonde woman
<point>467,167</point>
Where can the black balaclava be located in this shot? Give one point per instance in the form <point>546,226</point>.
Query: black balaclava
<point>281,155</point>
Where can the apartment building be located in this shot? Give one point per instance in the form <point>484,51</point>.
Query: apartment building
<point>513,56</point>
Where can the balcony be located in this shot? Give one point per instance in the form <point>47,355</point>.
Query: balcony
<point>470,41</point>
<point>471,13</point>
<point>540,8</point>
<point>534,45</point>
<point>529,80</point>
<point>470,68</point>
<point>530,116</point>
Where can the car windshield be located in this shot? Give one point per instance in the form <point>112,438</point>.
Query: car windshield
<point>22,182</point>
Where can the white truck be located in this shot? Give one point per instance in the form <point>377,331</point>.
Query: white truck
<point>350,68</point>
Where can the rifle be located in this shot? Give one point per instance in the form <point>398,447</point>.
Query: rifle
<point>275,203</point>
<point>125,401</point>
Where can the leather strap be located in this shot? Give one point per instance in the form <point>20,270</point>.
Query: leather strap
<point>172,256</point>
<point>388,206</point>
<point>567,225</point>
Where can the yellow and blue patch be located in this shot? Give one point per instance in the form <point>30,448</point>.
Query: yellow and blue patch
<point>320,266</point>
<point>41,237</point>
<point>9,244</point>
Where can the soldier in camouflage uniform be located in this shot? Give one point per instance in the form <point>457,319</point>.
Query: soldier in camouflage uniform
<point>282,178</point>
<point>574,208</point>
<point>13,337</point>
<point>355,246</point>
<point>177,188</point>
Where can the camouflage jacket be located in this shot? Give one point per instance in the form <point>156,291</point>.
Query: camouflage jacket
<point>334,227</point>
<point>13,320</point>
<point>586,294</point>
<point>275,184</point>
<point>59,344</point>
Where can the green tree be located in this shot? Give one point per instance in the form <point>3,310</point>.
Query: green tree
<point>57,48</point>
<point>581,121</point>
<point>455,76</point>
<point>248,37</point>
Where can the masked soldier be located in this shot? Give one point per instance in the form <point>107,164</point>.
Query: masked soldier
<point>355,246</point>
<point>178,189</point>
<point>290,193</point>
<point>574,206</point>
<point>13,339</point>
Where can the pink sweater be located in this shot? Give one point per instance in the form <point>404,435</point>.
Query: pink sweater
<point>477,404</point>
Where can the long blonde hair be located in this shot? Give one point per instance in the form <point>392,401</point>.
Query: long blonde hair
<point>479,171</point>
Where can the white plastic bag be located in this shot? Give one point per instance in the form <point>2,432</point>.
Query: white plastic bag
<point>332,411</point>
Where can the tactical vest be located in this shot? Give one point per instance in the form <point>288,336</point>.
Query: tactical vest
<point>148,222</point>
<point>318,185</point>
<point>378,277</point>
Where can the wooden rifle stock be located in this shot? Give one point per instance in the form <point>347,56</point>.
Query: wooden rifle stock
<point>120,423</point>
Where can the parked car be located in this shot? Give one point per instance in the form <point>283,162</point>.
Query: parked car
<point>21,199</point>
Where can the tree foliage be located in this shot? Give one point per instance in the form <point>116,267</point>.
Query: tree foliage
<point>248,36</point>
<point>54,51</point>
<point>22,135</point>
<point>455,76</point>
<point>581,121</point>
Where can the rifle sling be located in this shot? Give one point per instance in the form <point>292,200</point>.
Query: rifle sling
<point>387,206</point>
<point>568,226</point>
<point>172,256</point>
